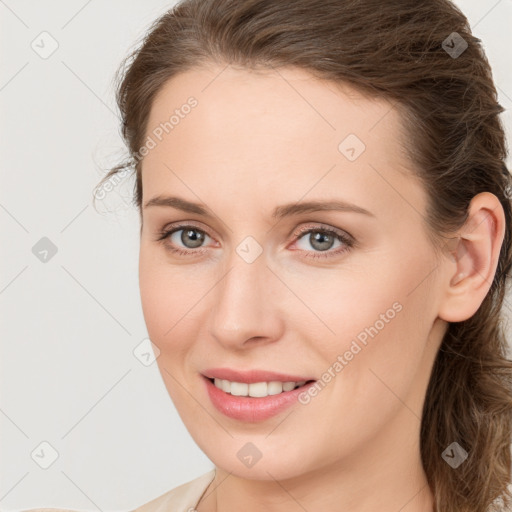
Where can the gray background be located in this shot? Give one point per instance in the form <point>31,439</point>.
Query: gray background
<point>69,325</point>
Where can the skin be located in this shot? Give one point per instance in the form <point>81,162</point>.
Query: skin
<point>256,141</point>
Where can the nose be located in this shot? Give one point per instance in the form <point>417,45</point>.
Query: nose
<point>246,307</point>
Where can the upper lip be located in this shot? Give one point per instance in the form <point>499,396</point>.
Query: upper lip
<point>252,376</point>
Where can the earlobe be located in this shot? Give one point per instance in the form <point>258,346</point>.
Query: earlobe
<point>475,259</point>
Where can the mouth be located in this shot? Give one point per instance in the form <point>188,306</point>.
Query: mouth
<point>257,389</point>
<point>255,401</point>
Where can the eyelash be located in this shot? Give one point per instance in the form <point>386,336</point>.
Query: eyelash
<point>347,240</point>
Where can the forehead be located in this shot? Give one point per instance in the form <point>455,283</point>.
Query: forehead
<point>278,103</point>
<point>275,133</point>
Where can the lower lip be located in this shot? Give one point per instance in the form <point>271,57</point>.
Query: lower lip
<point>252,409</point>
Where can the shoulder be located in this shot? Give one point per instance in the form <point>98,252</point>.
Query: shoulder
<point>181,498</point>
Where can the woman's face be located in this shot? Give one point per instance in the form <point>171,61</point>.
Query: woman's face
<point>354,308</point>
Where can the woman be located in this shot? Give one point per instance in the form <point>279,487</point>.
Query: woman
<point>325,242</point>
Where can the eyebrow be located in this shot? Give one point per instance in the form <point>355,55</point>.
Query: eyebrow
<point>279,212</point>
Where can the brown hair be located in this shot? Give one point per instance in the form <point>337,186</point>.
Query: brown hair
<point>403,51</point>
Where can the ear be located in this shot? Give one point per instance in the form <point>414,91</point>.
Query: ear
<point>475,258</point>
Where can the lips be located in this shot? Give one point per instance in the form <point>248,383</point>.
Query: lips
<point>253,376</point>
<point>249,409</point>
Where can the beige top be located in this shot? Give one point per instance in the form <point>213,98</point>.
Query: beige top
<point>183,498</point>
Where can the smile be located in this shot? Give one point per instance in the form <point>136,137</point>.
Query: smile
<point>256,389</point>
<point>253,402</point>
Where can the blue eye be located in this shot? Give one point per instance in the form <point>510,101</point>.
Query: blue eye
<point>320,238</point>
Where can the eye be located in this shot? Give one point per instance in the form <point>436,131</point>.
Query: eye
<point>191,237</point>
<point>188,240</point>
<point>322,239</point>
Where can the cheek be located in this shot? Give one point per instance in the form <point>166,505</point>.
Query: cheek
<point>154,299</point>
<point>337,307</point>
<point>166,297</point>
<point>159,294</point>
<point>172,298</point>
<point>376,315</point>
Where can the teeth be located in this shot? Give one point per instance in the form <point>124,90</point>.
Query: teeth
<point>256,389</point>
<point>239,389</point>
